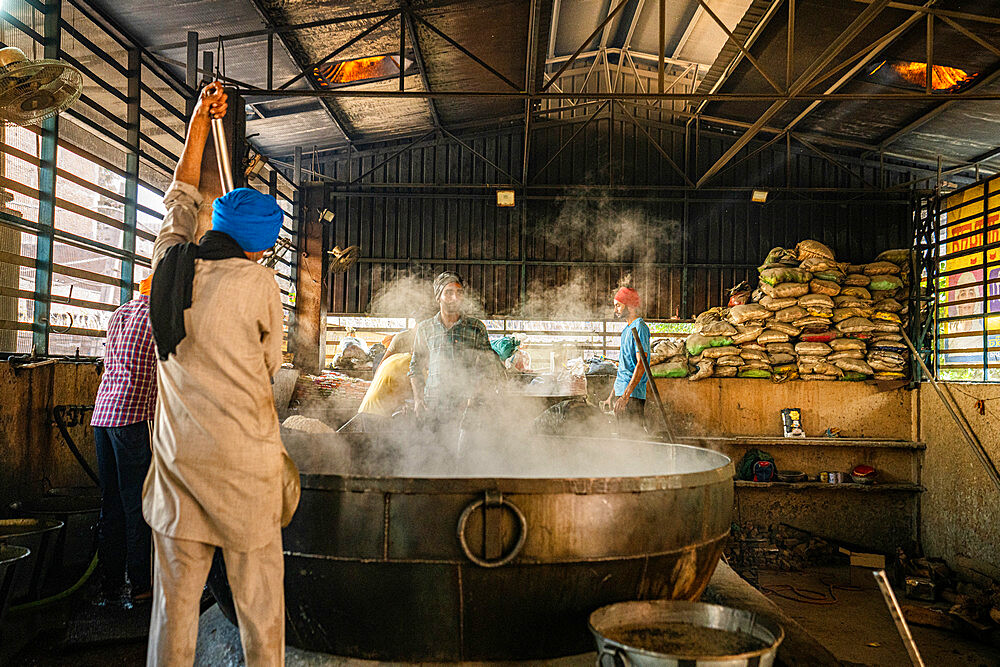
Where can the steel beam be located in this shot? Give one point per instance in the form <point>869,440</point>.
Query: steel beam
<point>833,161</point>
<point>277,30</point>
<point>472,56</point>
<point>754,34</point>
<point>394,155</point>
<point>266,18</point>
<point>556,4</point>
<point>940,108</point>
<point>656,145</point>
<point>689,96</point>
<point>576,54</point>
<point>790,44</point>
<point>307,69</point>
<point>965,16</point>
<point>566,143</point>
<point>971,35</point>
<point>662,52</point>
<point>402,50</point>
<point>742,47</point>
<point>628,38</point>
<point>929,58</point>
<point>612,50</point>
<point>866,57</point>
<point>801,83</point>
<point>418,56</point>
<point>191,71</point>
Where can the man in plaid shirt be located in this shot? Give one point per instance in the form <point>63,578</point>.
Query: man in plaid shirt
<point>123,414</point>
<point>453,351</point>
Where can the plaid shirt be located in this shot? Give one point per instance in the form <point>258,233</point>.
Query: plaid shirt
<point>456,360</point>
<point>128,387</point>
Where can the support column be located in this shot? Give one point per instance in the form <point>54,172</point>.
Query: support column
<point>47,197</point>
<point>132,178</point>
<point>307,337</point>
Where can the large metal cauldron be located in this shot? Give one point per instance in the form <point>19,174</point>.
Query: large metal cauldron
<point>493,549</point>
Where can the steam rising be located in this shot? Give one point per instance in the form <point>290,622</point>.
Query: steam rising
<point>492,455</point>
<point>496,437</point>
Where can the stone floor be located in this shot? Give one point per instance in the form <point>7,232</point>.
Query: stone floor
<point>857,628</point>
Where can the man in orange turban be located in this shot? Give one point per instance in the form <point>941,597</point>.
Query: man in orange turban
<point>628,395</point>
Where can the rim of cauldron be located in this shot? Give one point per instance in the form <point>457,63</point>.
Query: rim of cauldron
<point>58,505</point>
<point>37,525</point>
<point>330,481</point>
<point>10,553</point>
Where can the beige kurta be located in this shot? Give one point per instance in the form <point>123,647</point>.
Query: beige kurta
<point>216,472</point>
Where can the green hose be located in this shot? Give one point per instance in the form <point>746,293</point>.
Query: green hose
<point>34,604</point>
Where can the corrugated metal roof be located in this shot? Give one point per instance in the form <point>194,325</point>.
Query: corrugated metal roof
<point>963,131</point>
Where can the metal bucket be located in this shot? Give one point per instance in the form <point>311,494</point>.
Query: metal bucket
<point>9,557</point>
<point>77,541</point>
<point>619,629</point>
<point>499,551</point>
<point>39,536</point>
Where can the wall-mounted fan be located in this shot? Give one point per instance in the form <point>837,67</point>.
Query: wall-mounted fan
<point>342,258</point>
<point>33,90</point>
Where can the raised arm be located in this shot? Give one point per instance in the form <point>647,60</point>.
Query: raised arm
<point>183,199</point>
<point>211,104</point>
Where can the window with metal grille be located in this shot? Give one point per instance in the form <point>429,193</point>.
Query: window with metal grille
<point>967,310</point>
<point>78,215</point>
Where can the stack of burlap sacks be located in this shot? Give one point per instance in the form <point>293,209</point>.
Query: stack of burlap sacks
<point>811,318</point>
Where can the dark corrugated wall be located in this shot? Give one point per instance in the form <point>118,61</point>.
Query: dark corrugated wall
<point>603,207</point>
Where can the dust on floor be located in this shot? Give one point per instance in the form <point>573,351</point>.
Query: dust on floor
<point>857,627</point>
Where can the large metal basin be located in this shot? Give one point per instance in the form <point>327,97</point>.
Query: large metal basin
<point>39,537</point>
<point>9,557</point>
<point>416,551</point>
<point>77,540</point>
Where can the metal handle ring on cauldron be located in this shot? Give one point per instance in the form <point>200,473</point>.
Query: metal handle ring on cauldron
<point>619,658</point>
<point>492,499</point>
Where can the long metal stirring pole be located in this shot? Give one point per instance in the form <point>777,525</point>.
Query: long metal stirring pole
<point>963,425</point>
<point>222,155</point>
<point>897,616</point>
<point>652,383</point>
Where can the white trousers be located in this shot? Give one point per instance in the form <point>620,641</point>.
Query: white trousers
<point>257,581</point>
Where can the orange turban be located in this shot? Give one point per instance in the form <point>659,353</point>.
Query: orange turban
<point>627,297</point>
<point>145,284</point>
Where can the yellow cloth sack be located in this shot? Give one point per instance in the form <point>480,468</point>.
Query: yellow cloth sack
<point>389,388</point>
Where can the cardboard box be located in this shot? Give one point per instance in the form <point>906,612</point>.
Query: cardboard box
<point>861,567</point>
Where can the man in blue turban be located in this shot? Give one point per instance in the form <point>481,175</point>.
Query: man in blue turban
<point>219,476</point>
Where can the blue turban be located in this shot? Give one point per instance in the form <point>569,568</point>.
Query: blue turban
<point>252,218</point>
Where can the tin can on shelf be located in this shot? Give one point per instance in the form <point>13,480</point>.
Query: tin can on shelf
<point>824,477</point>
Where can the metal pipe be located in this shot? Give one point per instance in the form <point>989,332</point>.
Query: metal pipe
<point>955,411</point>
<point>649,379</point>
<point>897,617</point>
<point>222,155</point>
